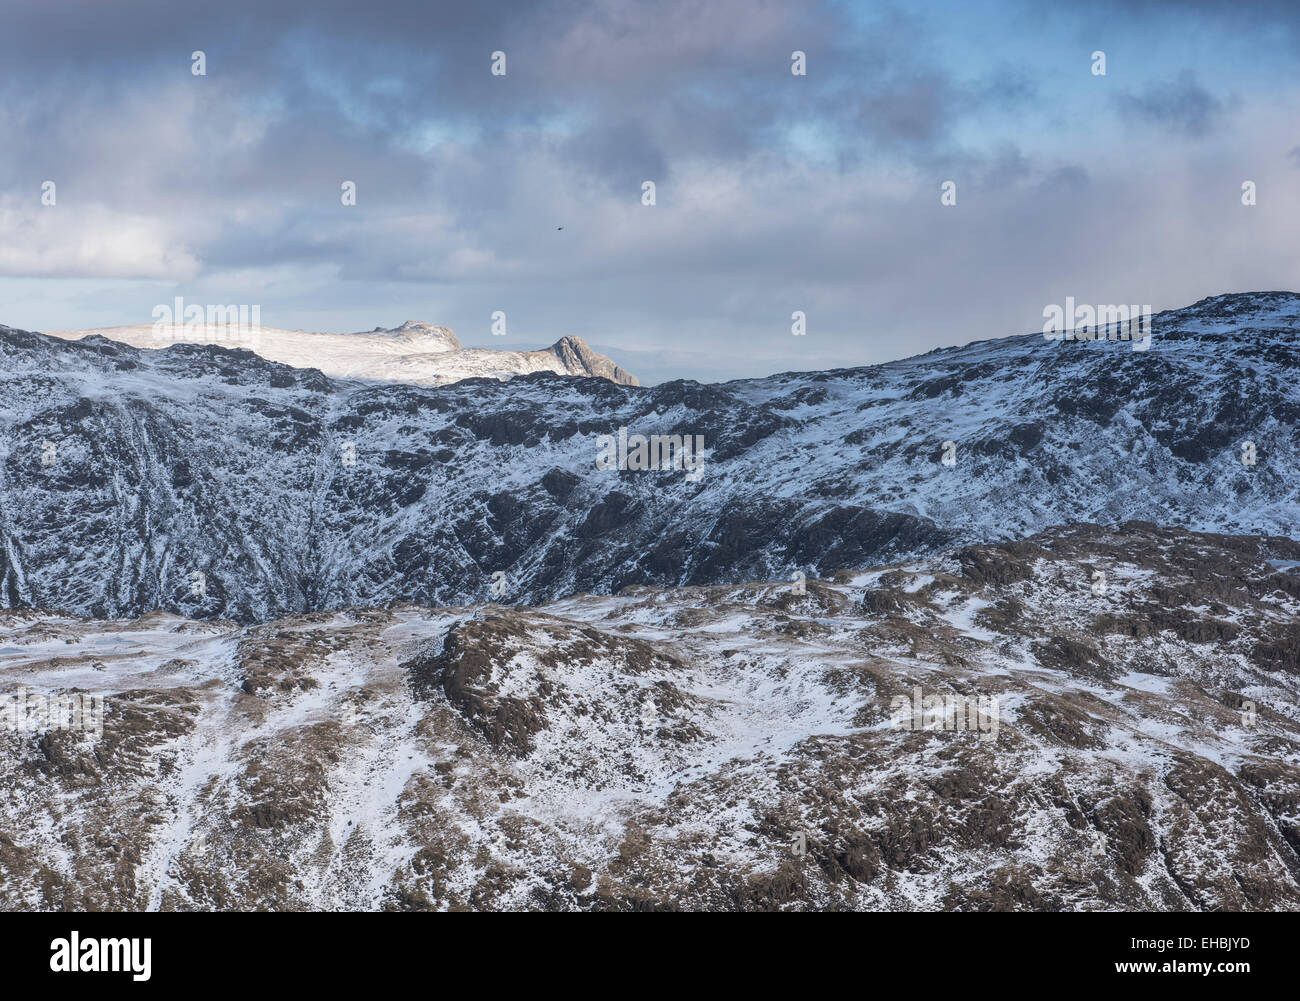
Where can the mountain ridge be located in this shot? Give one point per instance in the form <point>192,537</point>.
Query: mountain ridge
<point>415,352</point>
<point>290,492</point>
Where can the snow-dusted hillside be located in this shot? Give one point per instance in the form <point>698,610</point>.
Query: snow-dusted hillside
<point>214,483</point>
<point>1137,744</point>
<point>418,353</point>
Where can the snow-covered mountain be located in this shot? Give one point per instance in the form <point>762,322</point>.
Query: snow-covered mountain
<point>214,483</point>
<point>294,717</point>
<point>415,352</point>
<point>986,729</point>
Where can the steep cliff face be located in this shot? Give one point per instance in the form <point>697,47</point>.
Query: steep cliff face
<point>216,484</point>
<point>578,359</point>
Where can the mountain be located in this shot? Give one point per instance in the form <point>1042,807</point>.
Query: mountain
<point>214,483</point>
<point>1128,740</point>
<point>416,352</point>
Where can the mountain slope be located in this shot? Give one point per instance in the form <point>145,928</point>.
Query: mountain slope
<point>1135,748</point>
<point>415,352</point>
<point>214,483</point>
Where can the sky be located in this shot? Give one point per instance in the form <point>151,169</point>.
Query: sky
<point>774,192</point>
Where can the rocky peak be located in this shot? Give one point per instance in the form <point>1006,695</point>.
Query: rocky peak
<point>438,338</point>
<point>578,357</point>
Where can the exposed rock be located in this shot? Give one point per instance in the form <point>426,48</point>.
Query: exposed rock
<point>732,747</point>
<point>291,492</point>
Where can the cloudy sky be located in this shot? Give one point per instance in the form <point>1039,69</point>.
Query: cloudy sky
<point>774,192</point>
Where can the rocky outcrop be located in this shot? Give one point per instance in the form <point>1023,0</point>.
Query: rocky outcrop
<point>578,359</point>
<point>926,735</point>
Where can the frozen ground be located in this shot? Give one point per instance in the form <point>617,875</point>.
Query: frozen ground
<point>670,747</point>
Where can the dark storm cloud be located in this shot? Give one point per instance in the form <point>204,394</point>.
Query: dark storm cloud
<point>1277,13</point>
<point>1180,105</point>
<point>653,80</point>
<point>397,97</point>
<point>775,192</point>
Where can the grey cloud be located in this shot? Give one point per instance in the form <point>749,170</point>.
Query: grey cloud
<point>775,192</point>
<point>1070,178</point>
<point>1180,105</point>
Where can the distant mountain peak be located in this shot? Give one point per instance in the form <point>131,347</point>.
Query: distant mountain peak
<point>416,352</point>
<point>429,336</point>
<point>577,354</point>
<point>128,470</point>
